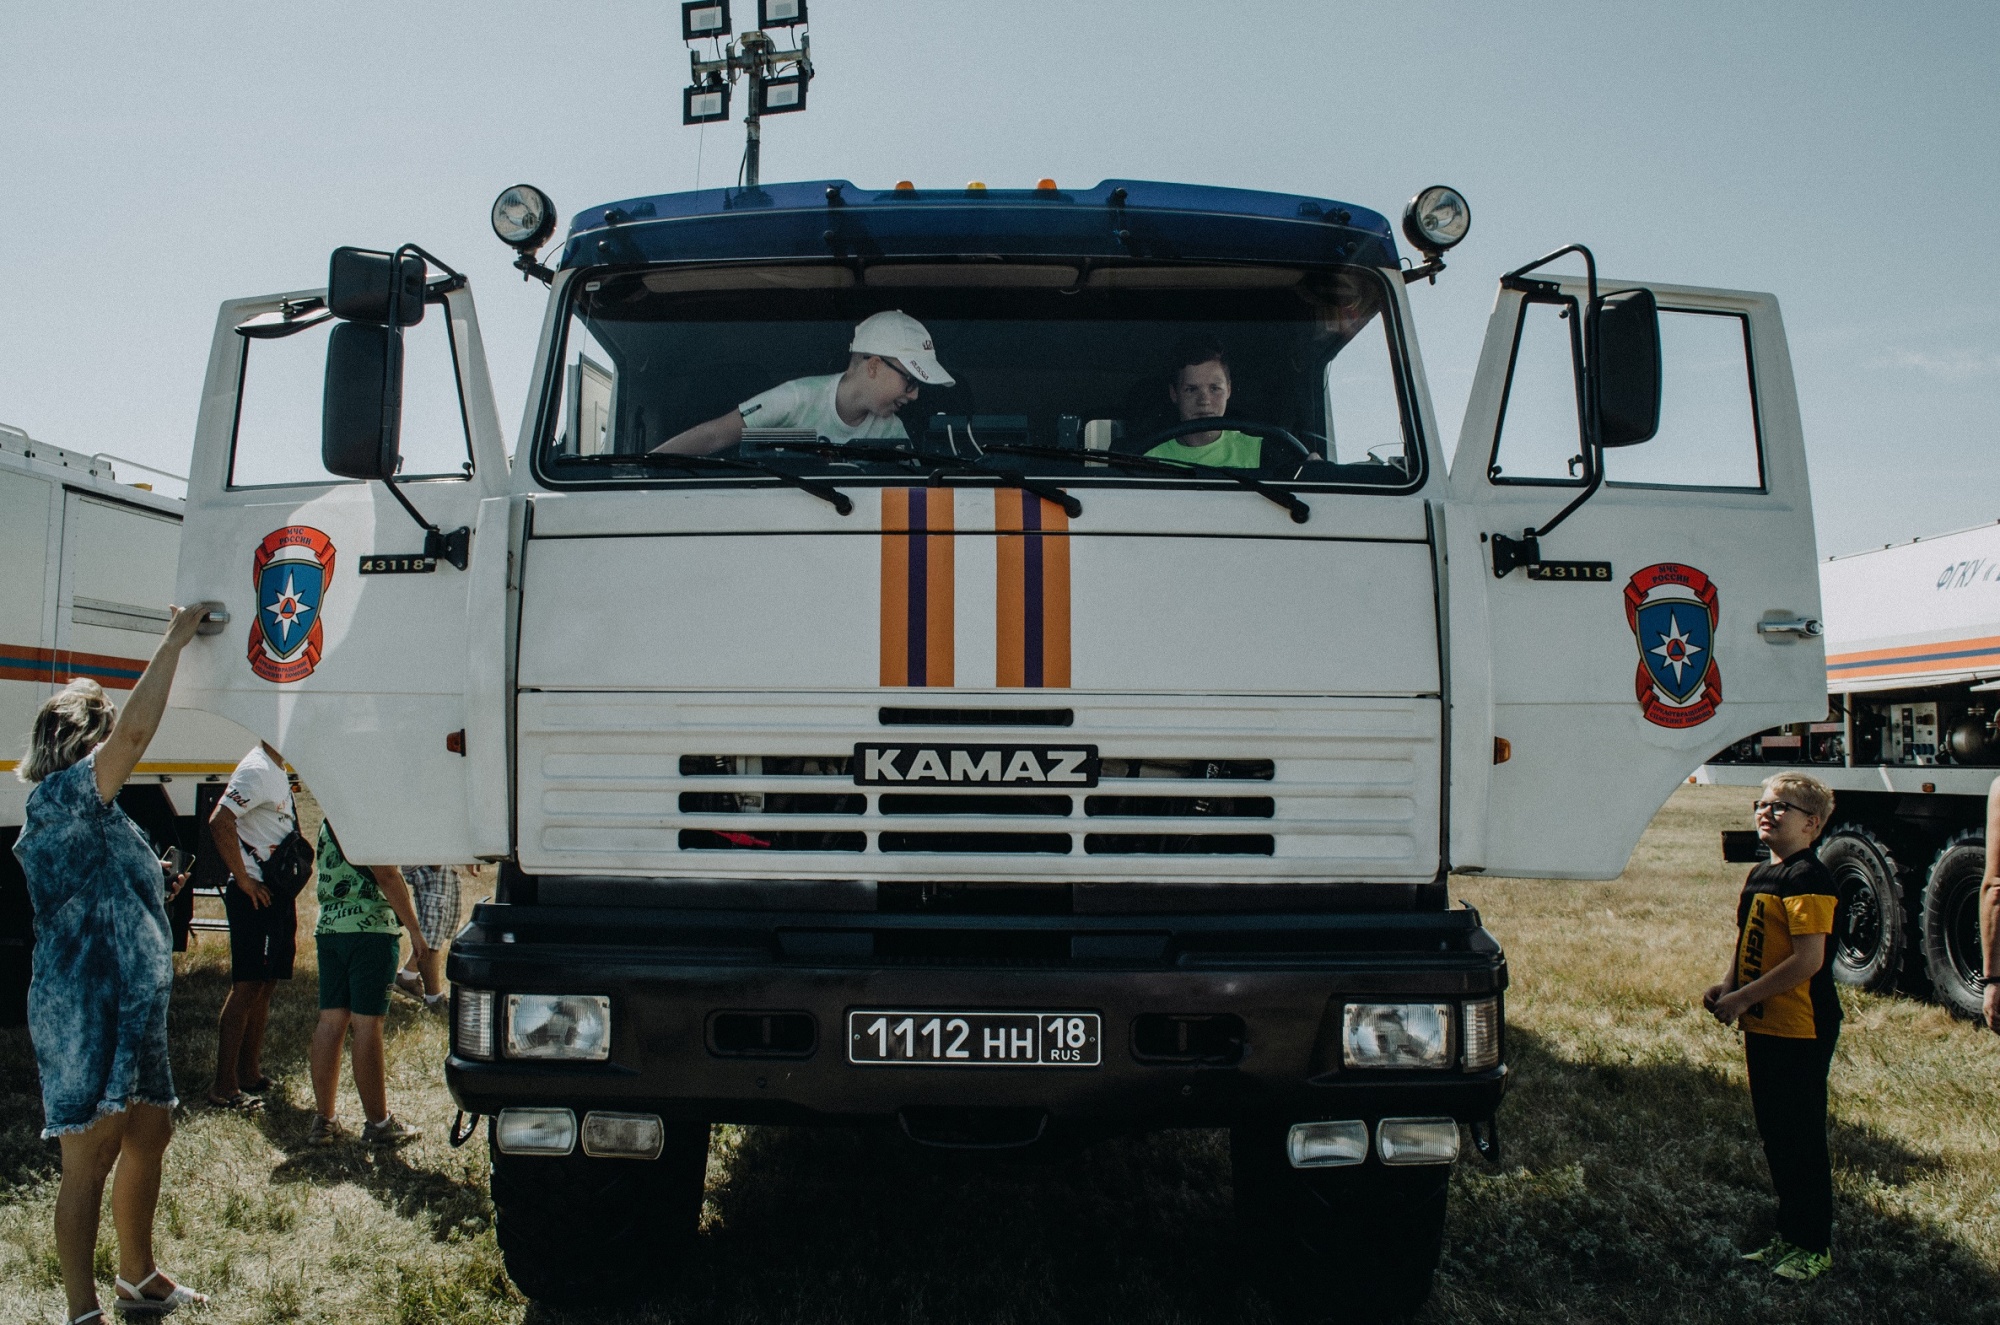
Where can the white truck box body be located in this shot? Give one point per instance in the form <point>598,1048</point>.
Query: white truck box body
<point>90,574</point>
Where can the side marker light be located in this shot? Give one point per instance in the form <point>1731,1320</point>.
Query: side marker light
<point>1503,749</point>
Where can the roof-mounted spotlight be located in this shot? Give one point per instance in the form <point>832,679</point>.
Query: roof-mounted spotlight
<point>701,19</point>
<point>1435,220</point>
<point>775,96</point>
<point>524,217</point>
<point>705,103</point>
<point>780,13</point>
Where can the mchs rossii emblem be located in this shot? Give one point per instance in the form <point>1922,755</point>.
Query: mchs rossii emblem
<point>1672,611</point>
<point>291,571</point>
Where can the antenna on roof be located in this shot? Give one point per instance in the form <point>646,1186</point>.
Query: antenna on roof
<point>777,77</point>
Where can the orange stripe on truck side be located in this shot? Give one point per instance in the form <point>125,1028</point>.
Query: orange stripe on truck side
<point>919,597</point>
<point>19,663</point>
<point>1939,656</point>
<point>1031,593</point>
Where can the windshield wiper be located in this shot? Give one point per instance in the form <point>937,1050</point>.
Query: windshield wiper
<point>896,455</point>
<point>1284,497</point>
<point>832,496</point>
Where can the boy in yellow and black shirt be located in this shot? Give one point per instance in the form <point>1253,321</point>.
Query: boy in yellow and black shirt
<point>1780,991</point>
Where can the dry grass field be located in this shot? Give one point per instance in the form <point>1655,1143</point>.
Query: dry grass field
<point>1631,1171</point>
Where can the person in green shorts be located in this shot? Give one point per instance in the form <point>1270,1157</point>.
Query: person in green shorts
<point>362,915</point>
<point>1199,387</point>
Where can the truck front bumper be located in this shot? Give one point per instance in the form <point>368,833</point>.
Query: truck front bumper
<point>1276,983</point>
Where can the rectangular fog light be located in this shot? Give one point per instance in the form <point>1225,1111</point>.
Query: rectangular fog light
<point>535,1131</point>
<point>1325,1145</point>
<point>1417,1140</point>
<point>623,1135</point>
<point>472,1023</point>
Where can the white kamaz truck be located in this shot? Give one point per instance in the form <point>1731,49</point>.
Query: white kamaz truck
<point>1909,746</point>
<point>1001,776</point>
<point>86,574</point>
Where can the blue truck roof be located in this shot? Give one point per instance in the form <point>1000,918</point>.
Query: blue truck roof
<point>1115,219</point>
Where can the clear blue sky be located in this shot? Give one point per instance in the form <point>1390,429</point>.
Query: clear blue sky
<point>158,159</point>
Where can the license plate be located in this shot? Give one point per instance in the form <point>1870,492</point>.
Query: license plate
<point>974,1039</point>
<point>1025,767</point>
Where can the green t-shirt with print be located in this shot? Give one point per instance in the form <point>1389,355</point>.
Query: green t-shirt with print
<point>350,902</point>
<point>1232,450</point>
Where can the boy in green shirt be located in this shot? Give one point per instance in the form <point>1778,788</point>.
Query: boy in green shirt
<point>362,916</point>
<point>1200,389</point>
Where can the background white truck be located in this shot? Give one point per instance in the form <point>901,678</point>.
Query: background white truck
<point>1909,747</point>
<point>86,575</point>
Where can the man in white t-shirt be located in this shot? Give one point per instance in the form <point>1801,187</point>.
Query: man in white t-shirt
<point>253,816</point>
<point>890,356</point>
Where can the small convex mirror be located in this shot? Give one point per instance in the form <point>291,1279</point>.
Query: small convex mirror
<point>1623,332</point>
<point>358,286</point>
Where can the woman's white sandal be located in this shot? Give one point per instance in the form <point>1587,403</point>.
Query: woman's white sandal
<point>140,1305</point>
<point>95,1313</point>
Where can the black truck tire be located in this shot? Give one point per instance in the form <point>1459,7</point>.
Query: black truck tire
<point>1357,1243</point>
<point>579,1229</point>
<point>1868,950</point>
<point>1951,924</point>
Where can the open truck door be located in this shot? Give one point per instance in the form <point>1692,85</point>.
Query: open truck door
<point>1673,607</point>
<point>368,649</point>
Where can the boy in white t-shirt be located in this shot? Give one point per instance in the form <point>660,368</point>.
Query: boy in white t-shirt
<point>253,816</point>
<point>890,356</point>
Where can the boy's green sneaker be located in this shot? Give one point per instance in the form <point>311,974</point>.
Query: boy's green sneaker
<point>1802,1265</point>
<point>1771,1253</point>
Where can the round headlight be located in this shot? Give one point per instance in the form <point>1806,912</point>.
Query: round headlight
<point>1437,218</point>
<point>524,217</point>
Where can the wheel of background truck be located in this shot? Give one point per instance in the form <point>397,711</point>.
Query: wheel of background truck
<point>1868,950</point>
<point>585,1230</point>
<point>1951,924</point>
<point>1355,1243</point>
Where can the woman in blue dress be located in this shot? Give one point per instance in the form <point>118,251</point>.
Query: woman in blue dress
<point>97,1009</point>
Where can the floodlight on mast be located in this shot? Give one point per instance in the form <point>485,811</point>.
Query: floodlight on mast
<point>777,76</point>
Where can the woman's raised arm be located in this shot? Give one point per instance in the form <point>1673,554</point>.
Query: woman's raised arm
<point>139,719</point>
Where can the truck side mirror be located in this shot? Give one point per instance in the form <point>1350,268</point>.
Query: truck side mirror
<point>1623,331</point>
<point>359,286</point>
<point>375,295</point>
<point>361,413</point>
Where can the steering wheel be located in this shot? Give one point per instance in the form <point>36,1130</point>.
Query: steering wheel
<point>1186,426</point>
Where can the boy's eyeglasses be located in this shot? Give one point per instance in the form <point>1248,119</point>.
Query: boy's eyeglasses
<point>1776,808</point>
<point>909,383</point>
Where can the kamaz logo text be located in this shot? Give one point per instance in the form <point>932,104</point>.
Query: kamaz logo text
<point>993,765</point>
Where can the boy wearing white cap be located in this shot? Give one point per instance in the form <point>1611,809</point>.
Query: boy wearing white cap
<point>889,358</point>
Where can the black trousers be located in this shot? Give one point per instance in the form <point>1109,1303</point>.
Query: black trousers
<point>1788,1095</point>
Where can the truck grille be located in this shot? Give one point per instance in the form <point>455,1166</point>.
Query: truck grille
<point>1335,789</point>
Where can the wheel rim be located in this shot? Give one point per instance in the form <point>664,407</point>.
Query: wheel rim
<point>1961,931</point>
<point>1860,938</point>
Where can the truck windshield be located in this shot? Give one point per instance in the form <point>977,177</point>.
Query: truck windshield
<point>823,372</point>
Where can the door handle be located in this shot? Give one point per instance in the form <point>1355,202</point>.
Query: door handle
<point>1805,627</point>
<point>214,623</point>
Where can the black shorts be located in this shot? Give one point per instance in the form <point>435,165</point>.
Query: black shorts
<point>262,940</point>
